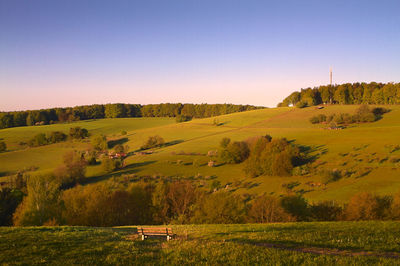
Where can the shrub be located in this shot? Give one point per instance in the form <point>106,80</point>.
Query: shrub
<point>3,146</point>
<point>182,118</point>
<point>318,119</point>
<point>38,140</point>
<point>119,148</point>
<point>57,136</point>
<point>326,211</point>
<point>153,142</point>
<point>301,104</point>
<point>78,133</point>
<point>123,132</point>
<point>91,157</point>
<point>296,206</point>
<point>215,184</point>
<point>330,175</point>
<point>110,165</point>
<point>314,120</point>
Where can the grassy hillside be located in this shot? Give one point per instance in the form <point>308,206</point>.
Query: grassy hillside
<point>344,243</point>
<point>364,150</point>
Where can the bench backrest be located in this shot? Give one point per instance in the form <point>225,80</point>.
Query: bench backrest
<point>155,231</point>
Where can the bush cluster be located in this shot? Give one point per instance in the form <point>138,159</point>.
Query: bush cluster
<point>276,157</point>
<point>78,133</point>
<point>363,115</point>
<point>153,142</point>
<point>41,139</point>
<point>182,118</point>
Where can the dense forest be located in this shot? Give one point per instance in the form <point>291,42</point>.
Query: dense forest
<point>348,93</point>
<point>97,111</point>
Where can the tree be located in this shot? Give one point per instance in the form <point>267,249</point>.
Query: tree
<point>277,157</point>
<point>362,206</point>
<point>389,93</point>
<point>42,203</point>
<point>377,97</point>
<point>341,95</point>
<point>114,110</point>
<point>268,209</point>
<point>235,152</point>
<point>180,196</point>
<point>72,171</point>
<point>9,201</point>
<point>103,205</point>
<point>6,120</point>
<point>395,208</point>
<point>219,208</point>
<point>99,142</point>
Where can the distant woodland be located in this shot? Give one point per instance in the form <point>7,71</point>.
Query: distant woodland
<point>98,111</point>
<point>348,93</point>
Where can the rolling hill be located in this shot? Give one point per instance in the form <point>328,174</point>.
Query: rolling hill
<point>365,153</point>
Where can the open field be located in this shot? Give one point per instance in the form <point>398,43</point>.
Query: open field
<point>333,243</point>
<point>365,151</point>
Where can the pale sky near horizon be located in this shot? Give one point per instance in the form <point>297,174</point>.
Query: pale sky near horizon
<point>78,52</point>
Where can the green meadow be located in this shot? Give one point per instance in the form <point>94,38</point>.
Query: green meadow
<point>365,151</point>
<point>328,243</point>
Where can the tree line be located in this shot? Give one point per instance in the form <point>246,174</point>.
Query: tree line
<point>40,201</point>
<point>98,111</point>
<point>348,93</point>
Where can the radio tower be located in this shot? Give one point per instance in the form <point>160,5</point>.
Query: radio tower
<point>330,76</point>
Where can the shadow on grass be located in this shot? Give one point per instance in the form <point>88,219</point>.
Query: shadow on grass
<point>112,143</point>
<point>174,142</point>
<point>129,169</point>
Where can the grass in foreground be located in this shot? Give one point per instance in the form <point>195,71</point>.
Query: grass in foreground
<point>205,244</point>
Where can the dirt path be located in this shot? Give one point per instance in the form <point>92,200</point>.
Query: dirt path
<point>328,251</point>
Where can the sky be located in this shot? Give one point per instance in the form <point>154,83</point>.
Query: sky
<point>79,52</point>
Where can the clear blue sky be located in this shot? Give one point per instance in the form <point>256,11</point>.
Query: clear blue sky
<point>74,52</point>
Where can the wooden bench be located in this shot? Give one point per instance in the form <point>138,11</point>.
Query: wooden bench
<point>145,232</point>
